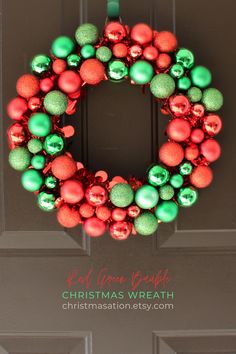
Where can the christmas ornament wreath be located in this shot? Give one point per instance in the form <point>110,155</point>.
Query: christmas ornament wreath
<point>144,57</point>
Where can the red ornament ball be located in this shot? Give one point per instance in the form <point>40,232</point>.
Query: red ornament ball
<point>16,135</point>
<point>141,33</point>
<point>179,105</point>
<point>197,135</point>
<point>115,32</point>
<point>163,61</point>
<point>86,210</point>
<point>133,211</point>
<point>16,108</point>
<point>69,81</point>
<point>201,177</point>
<point>212,124</point>
<point>165,41</point>
<point>135,51</point>
<point>72,191</point>
<point>178,129</point>
<point>171,153</point>
<point>63,167</point>
<point>150,53</point>
<point>198,110</point>
<point>68,216</point>
<point>58,66</point>
<point>94,227</point>
<point>103,213</point>
<point>96,195</point>
<point>118,214</point>
<point>92,71</point>
<point>191,152</point>
<point>120,50</point>
<point>27,86</point>
<point>211,150</point>
<point>46,84</point>
<point>34,103</point>
<point>120,230</point>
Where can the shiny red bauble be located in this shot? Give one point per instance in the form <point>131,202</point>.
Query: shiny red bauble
<point>69,81</point>
<point>197,135</point>
<point>16,135</point>
<point>165,41</point>
<point>58,66</point>
<point>27,86</point>
<point>150,53</point>
<point>92,71</point>
<point>94,227</point>
<point>141,33</point>
<point>86,210</point>
<point>72,191</point>
<point>118,214</point>
<point>212,124</point>
<point>46,84</point>
<point>163,61</point>
<point>178,129</point>
<point>16,108</point>
<point>211,150</point>
<point>171,153</point>
<point>179,105</point>
<point>96,195</point>
<point>201,176</point>
<point>68,216</point>
<point>34,103</point>
<point>63,167</point>
<point>103,213</point>
<point>120,50</point>
<point>133,211</point>
<point>120,230</point>
<point>114,32</point>
<point>191,152</point>
<point>135,51</point>
<point>198,110</point>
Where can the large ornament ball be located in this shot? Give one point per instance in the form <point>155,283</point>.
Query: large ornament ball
<point>146,197</point>
<point>92,71</point>
<point>73,60</point>
<point>162,86</point>
<point>55,102</point>
<point>146,224</point>
<point>185,57</point>
<point>176,180</point>
<point>104,54</point>
<point>27,86</point>
<point>121,195</point>
<point>58,66</point>
<point>194,94</point>
<point>53,144</point>
<point>68,216</point>
<point>103,213</point>
<point>40,124</point>
<point>114,32</point>
<point>94,227</point>
<point>34,146</point>
<point>69,81</point>
<point>120,230</point>
<point>141,72</point>
<point>86,33</point>
<point>171,153</point>
<point>87,51</point>
<point>191,152</point>
<point>197,135</point>
<point>163,61</point>
<point>40,64</point>
<point>120,50</point>
<point>46,201</point>
<point>19,158</point>
<point>179,129</point>
<point>158,175</point>
<point>166,192</point>
<point>117,70</point>
<point>96,195</point>
<point>62,47</point>
<point>16,108</point>
<point>167,211</point>
<point>200,76</point>
<point>32,180</point>
<point>150,53</point>
<point>63,167</point>
<point>201,177</point>
<point>212,99</point>
<point>72,191</point>
<point>165,41</point>
<point>212,124</point>
<point>38,162</point>
<point>187,196</point>
<point>210,149</point>
<point>141,33</point>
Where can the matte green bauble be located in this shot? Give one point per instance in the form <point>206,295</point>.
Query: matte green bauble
<point>38,162</point>
<point>141,72</point>
<point>103,54</point>
<point>200,76</point>
<point>176,180</point>
<point>187,196</point>
<point>19,158</point>
<point>121,195</point>
<point>162,86</point>
<point>73,60</point>
<point>185,57</point>
<point>86,34</point>
<point>184,83</point>
<point>158,175</point>
<point>54,144</point>
<point>50,182</point>
<point>194,94</point>
<point>55,102</point>
<point>87,51</point>
<point>177,71</point>
<point>40,64</point>
<point>62,46</point>
<point>167,211</point>
<point>40,124</point>
<point>32,180</point>
<point>166,192</point>
<point>117,70</point>
<point>46,201</point>
<point>146,224</point>
<point>35,145</point>
<point>212,99</point>
<point>185,168</point>
<point>146,197</point>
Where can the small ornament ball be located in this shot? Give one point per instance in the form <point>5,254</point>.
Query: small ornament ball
<point>94,227</point>
<point>117,70</point>
<point>211,150</point>
<point>87,51</point>
<point>150,53</point>
<point>171,153</point>
<point>46,201</point>
<point>158,175</point>
<point>27,86</point>
<point>16,108</point>
<point>86,210</point>
<point>72,191</point>
<point>103,213</point>
<point>146,197</point>
<point>92,71</point>
<point>197,135</point>
<point>40,124</point>
<point>141,33</point>
<point>34,146</point>
<point>40,64</point>
<point>63,167</point>
<point>121,195</point>
<point>19,158</point>
<point>191,152</point>
<point>162,86</point>
<point>179,129</point>
<point>165,41</point>
<point>201,177</point>
<point>146,223</point>
<point>69,81</point>
<point>114,32</point>
<point>120,230</point>
<point>166,192</point>
<point>200,76</point>
<point>141,72</point>
<point>67,216</point>
<point>96,195</point>
<point>55,102</point>
<point>185,57</point>
<point>62,47</point>
<point>104,54</point>
<point>212,124</point>
<point>212,99</point>
<point>58,66</point>
<point>38,162</point>
<point>120,50</point>
<point>53,144</point>
<point>87,33</point>
<point>163,61</point>
<point>194,94</point>
<point>187,196</point>
<point>176,180</point>
<point>118,214</point>
<point>167,211</point>
<point>32,180</point>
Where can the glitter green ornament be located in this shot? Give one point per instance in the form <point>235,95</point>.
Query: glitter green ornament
<point>158,175</point>
<point>146,224</point>
<point>117,70</point>
<point>146,197</point>
<point>166,192</point>
<point>184,83</point>
<point>167,211</point>
<point>50,182</point>
<point>35,145</point>
<point>38,162</point>
<point>87,33</point>
<point>200,76</point>
<point>54,144</point>
<point>212,99</point>
<point>185,168</point>
<point>177,71</point>
<point>121,195</point>
<point>19,158</point>
<point>46,201</point>
<point>176,180</point>
<point>187,196</point>
<point>87,51</point>
<point>40,124</point>
<point>32,180</point>
<point>162,85</point>
<point>194,94</point>
<point>73,60</point>
<point>185,57</point>
<point>141,72</point>
<point>103,54</point>
<point>40,64</point>
<point>62,46</point>
<point>55,102</point>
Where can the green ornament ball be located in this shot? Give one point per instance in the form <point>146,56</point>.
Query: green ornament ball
<point>50,182</point>
<point>34,146</point>
<point>162,85</point>
<point>194,94</point>
<point>40,124</point>
<point>117,70</point>
<point>62,46</point>
<point>146,224</point>
<point>185,168</point>
<point>73,60</point>
<point>200,76</point>
<point>46,201</point>
<point>212,99</point>
<point>87,51</point>
<point>87,33</point>
<point>187,196</point>
<point>184,83</point>
<point>40,64</point>
<point>121,195</point>
<point>19,158</point>
<point>103,54</point>
<point>158,175</point>
<point>146,197</point>
<point>177,71</point>
<point>55,102</point>
<point>32,180</point>
<point>167,211</point>
<point>185,57</point>
<point>166,192</point>
<point>54,144</point>
<point>176,180</point>
<point>38,162</point>
<point>141,72</point>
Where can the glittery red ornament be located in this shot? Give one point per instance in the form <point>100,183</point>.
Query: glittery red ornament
<point>72,191</point>
<point>69,81</point>
<point>197,135</point>
<point>211,150</point>
<point>16,108</point>
<point>58,66</point>
<point>163,61</point>
<point>120,50</point>
<point>178,129</point>
<point>133,211</point>
<point>171,153</point>
<point>94,227</point>
<point>115,32</point>
<point>179,105</point>
<point>68,216</point>
<point>103,213</point>
<point>92,71</point>
<point>150,53</point>
<point>46,84</point>
<point>198,110</point>
<point>120,230</point>
<point>27,86</point>
<point>141,33</point>
<point>118,214</point>
<point>86,210</point>
<point>191,152</point>
<point>16,135</point>
<point>135,51</point>
<point>63,167</point>
<point>34,103</point>
<point>96,195</point>
<point>165,41</point>
<point>201,177</point>
<point>212,124</point>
